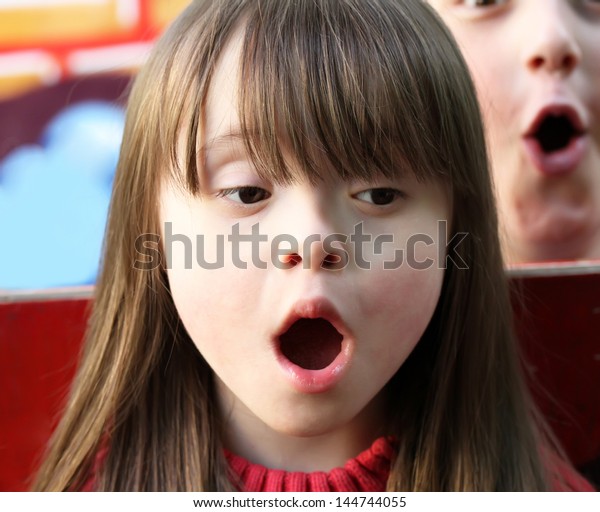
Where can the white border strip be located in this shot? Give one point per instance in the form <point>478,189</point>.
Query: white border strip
<point>567,268</point>
<point>128,13</point>
<point>75,292</point>
<point>34,62</point>
<point>301,502</point>
<point>108,58</point>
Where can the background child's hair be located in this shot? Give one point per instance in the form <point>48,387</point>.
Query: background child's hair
<point>368,87</point>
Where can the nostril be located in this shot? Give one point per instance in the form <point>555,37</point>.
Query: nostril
<point>335,261</point>
<point>537,62</point>
<point>562,60</point>
<point>569,62</point>
<point>291,260</point>
<point>331,260</point>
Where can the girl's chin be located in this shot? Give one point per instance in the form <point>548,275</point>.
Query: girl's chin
<point>296,423</point>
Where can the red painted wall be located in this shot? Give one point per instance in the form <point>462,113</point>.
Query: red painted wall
<point>39,347</point>
<point>558,320</point>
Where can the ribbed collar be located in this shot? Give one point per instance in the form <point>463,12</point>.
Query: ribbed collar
<point>369,471</point>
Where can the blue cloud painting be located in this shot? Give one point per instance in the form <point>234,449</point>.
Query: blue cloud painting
<point>54,199</point>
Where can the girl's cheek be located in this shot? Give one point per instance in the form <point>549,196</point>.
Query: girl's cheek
<point>420,248</point>
<point>403,294</point>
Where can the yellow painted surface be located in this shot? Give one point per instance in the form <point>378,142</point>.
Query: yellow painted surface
<point>18,84</point>
<point>162,12</point>
<point>60,23</point>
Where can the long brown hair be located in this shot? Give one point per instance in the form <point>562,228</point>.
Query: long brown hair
<point>372,86</point>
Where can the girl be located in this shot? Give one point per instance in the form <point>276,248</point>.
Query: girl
<point>329,302</point>
<point>539,91</point>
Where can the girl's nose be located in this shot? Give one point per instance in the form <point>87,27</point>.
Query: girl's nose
<point>316,244</point>
<point>315,256</point>
<point>551,43</point>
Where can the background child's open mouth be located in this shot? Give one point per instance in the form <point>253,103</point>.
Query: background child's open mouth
<point>555,133</point>
<point>556,141</point>
<point>311,343</point>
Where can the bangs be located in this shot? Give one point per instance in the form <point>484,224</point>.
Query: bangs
<point>341,85</point>
<point>363,89</point>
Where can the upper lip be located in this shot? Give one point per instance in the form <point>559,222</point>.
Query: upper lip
<point>557,109</point>
<point>314,308</point>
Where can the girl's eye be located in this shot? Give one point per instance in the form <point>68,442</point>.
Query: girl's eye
<point>245,195</point>
<point>379,196</point>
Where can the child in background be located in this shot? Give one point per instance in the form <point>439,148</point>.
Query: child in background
<point>302,287</point>
<point>536,67</point>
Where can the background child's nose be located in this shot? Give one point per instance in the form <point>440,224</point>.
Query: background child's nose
<point>552,45</point>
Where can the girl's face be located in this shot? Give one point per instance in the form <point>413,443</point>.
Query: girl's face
<point>302,335</point>
<point>537,70</point>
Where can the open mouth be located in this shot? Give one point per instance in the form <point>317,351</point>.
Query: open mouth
<point>311,343</point>
<point>555,133</point>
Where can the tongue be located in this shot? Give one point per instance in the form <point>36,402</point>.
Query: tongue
<point>312,344</point>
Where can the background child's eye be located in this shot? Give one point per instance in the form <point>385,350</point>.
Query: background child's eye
<point>379,196</point>
<point>591,3</point>
<point>589,10</point>
<point>483,3</point>
<point>481,9</point>
<point>245,195</point>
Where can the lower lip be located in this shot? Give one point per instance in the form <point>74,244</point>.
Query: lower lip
<point>557,163</point>
<point>317,381</point>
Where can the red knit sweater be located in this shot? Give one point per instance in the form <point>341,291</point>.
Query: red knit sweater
<point>367,472</point>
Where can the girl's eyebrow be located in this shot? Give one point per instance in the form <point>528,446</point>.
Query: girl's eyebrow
<point>222,140</point>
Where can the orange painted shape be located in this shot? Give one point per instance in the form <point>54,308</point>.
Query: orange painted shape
<point>162,12</point>
<point>24,71</point>
<point>18,84</point>
<point>65,24</point>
